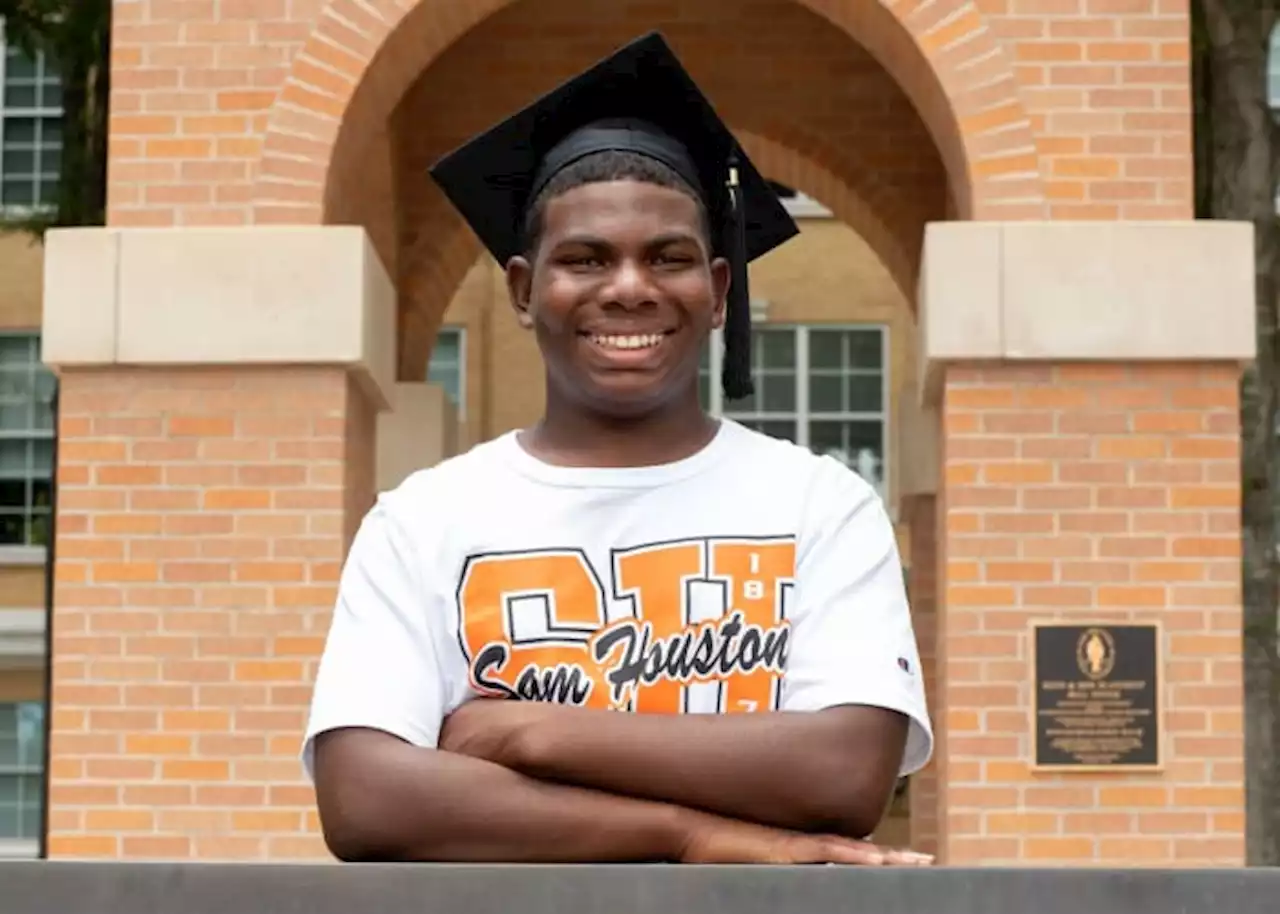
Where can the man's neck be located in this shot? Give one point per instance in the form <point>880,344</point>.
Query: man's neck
<point>568,436</point>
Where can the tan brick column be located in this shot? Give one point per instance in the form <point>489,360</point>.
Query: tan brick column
<point>220,390</point>
<point>1086,378</point>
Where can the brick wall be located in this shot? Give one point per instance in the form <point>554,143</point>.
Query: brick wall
<point>203,521</point>
<point>1092,492</point>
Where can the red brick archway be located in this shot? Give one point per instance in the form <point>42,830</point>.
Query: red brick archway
<point>861,213</point>
<point>361,58</point>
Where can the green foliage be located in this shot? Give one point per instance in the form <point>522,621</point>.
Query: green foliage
<point>75,37</point>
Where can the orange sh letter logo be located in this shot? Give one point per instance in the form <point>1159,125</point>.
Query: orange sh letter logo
<point>533,625</point>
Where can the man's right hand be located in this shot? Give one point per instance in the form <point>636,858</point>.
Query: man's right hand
<point>720,841</point>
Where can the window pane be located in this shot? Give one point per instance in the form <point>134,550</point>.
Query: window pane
<point>778,392</point>
<point>13,530</point>
<point>859,445</point>
<point>866,393</point>
<point>19,131</point>
<point>864,349</point>
<point>42,458</point>
<point>30,733</point>
<point>50,160</point>
<point>45,387</point>
<point>18,65</point>
<point>826,393</point>
<point>15,414</point>
<point>13,458</point>
<point>777,349</point>
<point>826,349</point>
<point>19,95</point>
<point>19,192</point>
<point>22,758</point>
<point>445,365</point>
<point>15,351</point>
<point>18,162</point>
<point>783,430</point>
<point>48,192</point>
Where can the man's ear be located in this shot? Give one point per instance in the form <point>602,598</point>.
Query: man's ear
<point>721,278</point>
<point>520,289</point>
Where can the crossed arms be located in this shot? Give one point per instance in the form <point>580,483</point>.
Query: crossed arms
<point>515,781</point>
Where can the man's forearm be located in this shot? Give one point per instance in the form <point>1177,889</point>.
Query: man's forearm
<point>383,800</point>
<point>830,770</point>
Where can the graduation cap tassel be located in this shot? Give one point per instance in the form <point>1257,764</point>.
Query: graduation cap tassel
<point>736,377</point>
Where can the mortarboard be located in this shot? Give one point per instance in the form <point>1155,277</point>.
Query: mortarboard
<point>640,99</point>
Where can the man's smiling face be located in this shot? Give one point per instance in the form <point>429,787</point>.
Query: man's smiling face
<point>622,293</point>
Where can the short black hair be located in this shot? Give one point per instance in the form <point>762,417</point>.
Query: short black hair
<point>609,165</point>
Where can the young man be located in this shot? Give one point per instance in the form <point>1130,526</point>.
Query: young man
<point>739,596</point>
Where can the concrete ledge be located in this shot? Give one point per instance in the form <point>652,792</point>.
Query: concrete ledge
<point>22,634</point>
<point>916,446</point>
<point>301,295</point>
<point>1067,291</point>
<point>418,431</point>
<point>194,888</point>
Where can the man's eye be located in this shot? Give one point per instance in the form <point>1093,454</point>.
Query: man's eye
<point>584,261</point>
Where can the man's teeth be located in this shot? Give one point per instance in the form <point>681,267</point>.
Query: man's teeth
<point>637,341</point>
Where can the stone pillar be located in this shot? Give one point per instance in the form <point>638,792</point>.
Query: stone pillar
<point>1086,376</point>
<point>219,396</point>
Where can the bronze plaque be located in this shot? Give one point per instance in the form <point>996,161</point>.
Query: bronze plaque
<point>1097,696</point>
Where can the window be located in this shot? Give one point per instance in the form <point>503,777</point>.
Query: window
<point>1273,69</point>
<point>21,771</point>
<point>823,387</point>
<point>447,364</point>
<point>26,441</point>
<point>30,129</point>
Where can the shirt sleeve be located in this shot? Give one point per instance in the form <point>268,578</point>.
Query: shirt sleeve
<point>379,667</point>
<point>852,640</point>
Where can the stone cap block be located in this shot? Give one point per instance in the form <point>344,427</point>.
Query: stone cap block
<point>253,295</point>
<point>1095,291</point>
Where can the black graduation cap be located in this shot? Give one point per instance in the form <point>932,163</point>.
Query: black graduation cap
<point>641,100</point>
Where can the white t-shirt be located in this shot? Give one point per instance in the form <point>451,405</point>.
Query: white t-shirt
<point>751,576</point>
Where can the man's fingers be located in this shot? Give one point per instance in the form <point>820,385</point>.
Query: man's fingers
<point>855,853</point>
<point>863,853</point>
<point>907,858</point>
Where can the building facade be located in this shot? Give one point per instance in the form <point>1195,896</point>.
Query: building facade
<point>998,310</point>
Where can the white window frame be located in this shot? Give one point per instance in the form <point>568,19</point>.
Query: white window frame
<point>802,415</point>
<point>19,848</point>
<point>461,333</point>
<point>27,553</point>
<point>6,113</point>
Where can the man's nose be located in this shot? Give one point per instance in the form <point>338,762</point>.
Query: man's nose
<point>631,285</point>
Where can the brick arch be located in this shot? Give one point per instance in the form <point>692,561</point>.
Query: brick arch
<point>847,201</point>
<point>360,59</point>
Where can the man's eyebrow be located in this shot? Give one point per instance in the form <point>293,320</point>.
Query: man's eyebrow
<point>677,237</point>
<point>590,241</point>
<point>598,241</point>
